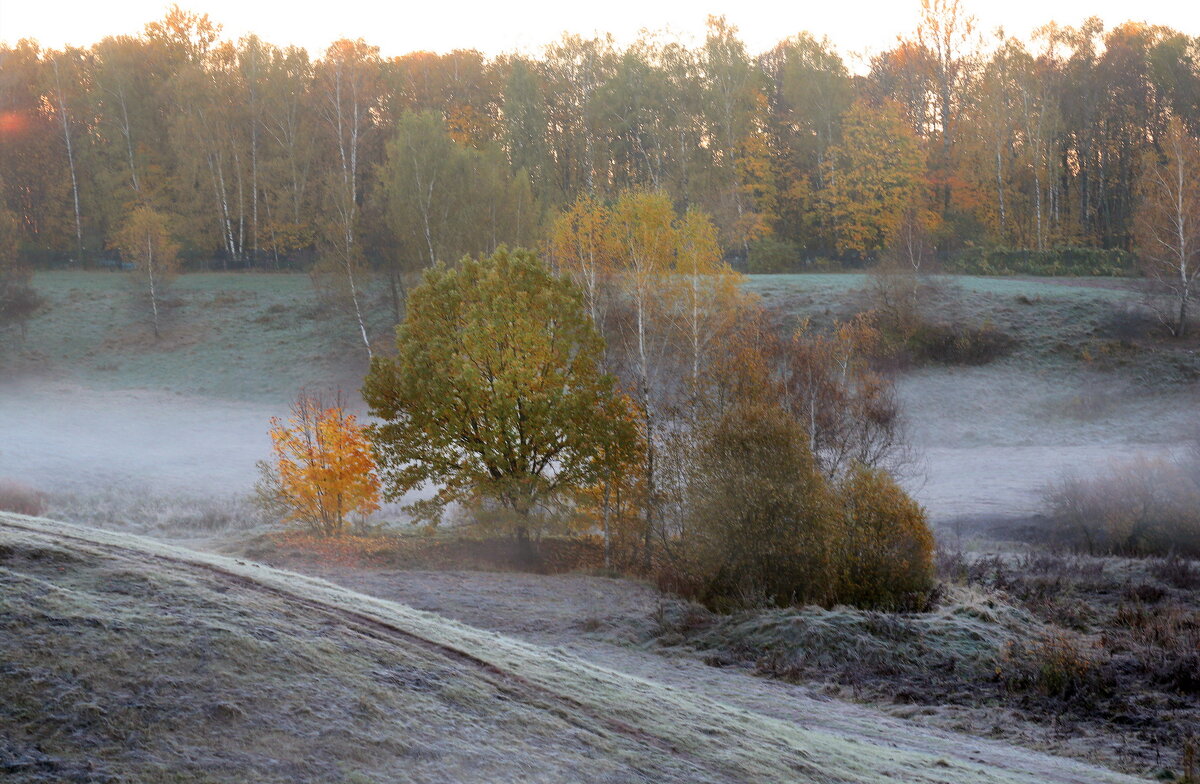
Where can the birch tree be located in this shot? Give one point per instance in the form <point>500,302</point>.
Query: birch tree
<point>1168,221</point>
<point>145,242</point>
<point>348,83</point>
<point>68,78</point>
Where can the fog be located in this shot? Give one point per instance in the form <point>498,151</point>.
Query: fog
<point>986,439</point>
<point>60,437</point>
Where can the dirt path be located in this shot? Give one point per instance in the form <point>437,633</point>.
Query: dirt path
<point>564,612</point>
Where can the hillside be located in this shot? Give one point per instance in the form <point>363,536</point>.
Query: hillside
<point>261,336</point>
<point>251,336</point>
<point>1084,385</point>
<point>262,675</point>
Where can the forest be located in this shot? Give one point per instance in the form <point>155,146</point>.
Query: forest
<point>981,147</point>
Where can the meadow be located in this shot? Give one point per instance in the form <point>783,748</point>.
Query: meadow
<point>1082,657</point>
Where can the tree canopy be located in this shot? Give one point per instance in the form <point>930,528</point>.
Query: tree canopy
<point>496,396</point>
<point>268,155</point>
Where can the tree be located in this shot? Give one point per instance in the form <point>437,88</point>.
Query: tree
<point>324,468</point>
<point>496,395</point>
<point>1168,220</point>
<point>580,248</point>
<point>349,87</point>
<point>18,300</point>
<point>849,411</point>
<point>442,199</point>
<point>944,30</point>
<point>875,175</point>
<point>145,242</point>
<point>657,283</point>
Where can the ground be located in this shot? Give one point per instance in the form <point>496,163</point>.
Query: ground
<point>262,675</point>
<point>124,432</point>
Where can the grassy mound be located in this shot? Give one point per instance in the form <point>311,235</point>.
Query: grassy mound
<point>956,647</point>
<point>131,660</point>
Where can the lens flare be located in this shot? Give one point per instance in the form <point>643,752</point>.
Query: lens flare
<point>12,123</point>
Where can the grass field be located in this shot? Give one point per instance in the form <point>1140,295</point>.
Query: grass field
<point>260,336</point>
<point>253,335</point>
<point>261,675</point>
<point>239,336</point>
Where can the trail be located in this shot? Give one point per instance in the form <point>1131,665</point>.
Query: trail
<point>555,611</point>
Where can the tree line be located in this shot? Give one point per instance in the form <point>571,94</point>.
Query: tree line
<point>267,156</point>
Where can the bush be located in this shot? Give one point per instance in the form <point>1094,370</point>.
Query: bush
<point>1145,507</point>
<point>884,553</point>
<point>764,526</point>
<point>1066,261</point>
<point>957,344</point>
<point>760,514</point>
<point>901,302</point>
<point>771,254</point>
<point>20,499</point>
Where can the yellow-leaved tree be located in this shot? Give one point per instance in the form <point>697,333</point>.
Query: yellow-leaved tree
<point>873,176</point>
<point>146,244</point>
<point>325,470</point>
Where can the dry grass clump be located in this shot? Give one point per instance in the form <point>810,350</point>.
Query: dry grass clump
<point>20,498</point>
<point>1104,651</point>
<point>1176,571</point>
<point>131,508</point>
<point>425,550</point>
<point>1057,665</point>
<point>1120,646</point>
<point>945,652</point>
<point>1162,643</point>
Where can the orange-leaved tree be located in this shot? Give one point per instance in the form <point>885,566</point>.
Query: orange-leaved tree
<point>326,472</point>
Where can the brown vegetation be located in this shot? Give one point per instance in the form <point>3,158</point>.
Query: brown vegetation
<point>1145,507</point>
<point>20,498</point>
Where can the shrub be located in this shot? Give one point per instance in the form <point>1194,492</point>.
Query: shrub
<point>958,344</point>
<point>771,254</point>
<point>1066,261</point>
<point>1144,507</point>
<point>1057,666</point>
<point>884,551</point>
<point>764,526</point>
<point>20,499</point>
<point>759,514</point>
<point>901,302</point>
<point>1176,571</point>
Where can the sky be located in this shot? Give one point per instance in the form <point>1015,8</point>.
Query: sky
<point>492,26</point>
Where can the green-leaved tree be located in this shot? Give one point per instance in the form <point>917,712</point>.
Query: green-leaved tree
<point>496,395</point>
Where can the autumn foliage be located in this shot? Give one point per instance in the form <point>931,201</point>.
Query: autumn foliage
<point>766,526</point>
<point>326,472</point>
<point>884,553</point>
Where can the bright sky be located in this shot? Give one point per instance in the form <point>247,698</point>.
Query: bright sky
<point>494,26</point>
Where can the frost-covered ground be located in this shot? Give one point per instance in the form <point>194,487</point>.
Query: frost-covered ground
<point>269,676</point>
<point>60,436</point>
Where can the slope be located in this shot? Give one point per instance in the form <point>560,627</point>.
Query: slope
<point>127,659</point>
